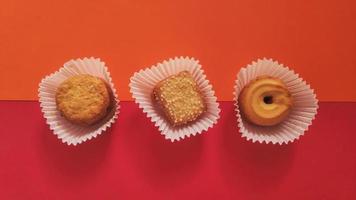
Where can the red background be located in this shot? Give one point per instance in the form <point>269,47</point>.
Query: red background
<point>136,162</point>
<point>316,38</point>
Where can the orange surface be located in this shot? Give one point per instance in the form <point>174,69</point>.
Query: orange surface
<point>316,38</point>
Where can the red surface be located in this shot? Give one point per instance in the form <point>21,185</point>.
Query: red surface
<point>133,161</point>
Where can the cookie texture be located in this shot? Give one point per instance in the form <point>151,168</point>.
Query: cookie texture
<point>265,101</point>
<point>179,98</point>
<point>83,99</point>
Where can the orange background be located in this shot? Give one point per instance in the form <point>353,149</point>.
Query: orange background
<point>316,38</point>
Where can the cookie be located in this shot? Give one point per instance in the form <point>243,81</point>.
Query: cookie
<point>265,101</point>
<point>179,98</point>
<point>83,99</point>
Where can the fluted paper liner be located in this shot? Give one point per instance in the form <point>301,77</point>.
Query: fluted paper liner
<point>69,133</point>
<point>304,108</point>
<point>143,82</point>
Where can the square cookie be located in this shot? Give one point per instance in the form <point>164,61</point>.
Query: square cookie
<point>179,98</point>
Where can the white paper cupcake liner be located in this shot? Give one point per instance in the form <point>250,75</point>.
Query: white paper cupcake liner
<point>303,111</point>
<point>70,133</point>
<point>143,82</point>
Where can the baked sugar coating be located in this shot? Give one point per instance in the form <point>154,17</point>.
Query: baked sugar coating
<point>83,99</point>
<point>179,98</point>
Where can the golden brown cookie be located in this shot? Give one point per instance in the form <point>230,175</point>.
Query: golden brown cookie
<point>83,99</point>
<point>179,98</point>
<point>265,101</point>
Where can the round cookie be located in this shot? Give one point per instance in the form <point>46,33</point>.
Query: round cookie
<point>265,101</point>
<point>83,99</point>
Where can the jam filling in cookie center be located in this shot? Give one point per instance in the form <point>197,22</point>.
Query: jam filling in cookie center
<point>268,99</point>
